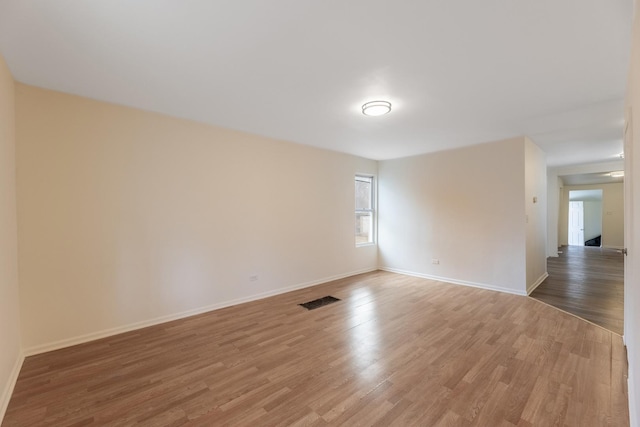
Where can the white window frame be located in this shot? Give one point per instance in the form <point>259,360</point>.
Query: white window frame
<point>372,210</point>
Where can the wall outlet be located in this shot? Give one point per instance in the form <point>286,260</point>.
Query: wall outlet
<point>435,261</point>
<point>253,278</point>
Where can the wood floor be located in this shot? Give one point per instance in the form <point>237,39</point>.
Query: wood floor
<point>396,350</point>
<point>588,282</point>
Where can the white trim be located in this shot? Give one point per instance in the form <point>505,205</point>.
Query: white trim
<point>11,383</point>
<point>364,245</point>
<point>455,281</point>
<point>537,283</point>
<point>613,247</point>
<point>373,210</point>
<point>68,342</point>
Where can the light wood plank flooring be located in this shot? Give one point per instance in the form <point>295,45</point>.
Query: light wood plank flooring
<point>588,282</point>
<point>396,350</point>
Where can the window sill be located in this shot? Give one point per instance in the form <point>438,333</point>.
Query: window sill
<point>361,245</point>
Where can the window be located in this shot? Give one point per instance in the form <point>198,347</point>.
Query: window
<point>365,214</point>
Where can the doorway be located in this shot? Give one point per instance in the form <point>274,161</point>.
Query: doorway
<point>585,218</point>
<point>586,273</point>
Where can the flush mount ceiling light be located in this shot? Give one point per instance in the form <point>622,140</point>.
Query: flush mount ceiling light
<point>617,174</point>
<point>376,108</point>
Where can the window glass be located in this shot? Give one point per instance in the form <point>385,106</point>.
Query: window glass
<point>365,218</point>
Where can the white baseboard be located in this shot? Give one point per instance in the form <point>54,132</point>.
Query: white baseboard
<point>455,281</point>
<point>537,283</point>
<point>168,318</point>
<point>11,383</point>
<point>613,247</point>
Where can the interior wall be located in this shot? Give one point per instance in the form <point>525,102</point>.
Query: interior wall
<point>632,191</point>
<point>535,190</point>
<point>129,217</point>
<point>462,208</point>
<point>10,352</point>
<point>554,183</point>
<point>612,214</point>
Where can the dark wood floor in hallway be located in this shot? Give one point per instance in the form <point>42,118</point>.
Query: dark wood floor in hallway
<point>588,282</point>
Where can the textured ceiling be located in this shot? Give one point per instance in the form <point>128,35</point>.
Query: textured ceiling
<point>458,72</point>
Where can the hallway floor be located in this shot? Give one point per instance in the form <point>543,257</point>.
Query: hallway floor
<point>588,282</point>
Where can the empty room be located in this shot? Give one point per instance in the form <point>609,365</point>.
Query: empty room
<point>308,213</point>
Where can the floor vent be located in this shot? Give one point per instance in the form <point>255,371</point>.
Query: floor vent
<point>319,302</point>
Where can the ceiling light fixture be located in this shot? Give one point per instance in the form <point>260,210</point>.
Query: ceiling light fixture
<point>617,174</point>
<point>376,108</point>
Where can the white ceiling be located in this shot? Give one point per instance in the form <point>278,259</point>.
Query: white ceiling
<point>458,72</point>
<point>590,178</point>
<point>585,195</point>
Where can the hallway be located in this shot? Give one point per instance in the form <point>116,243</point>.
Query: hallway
<point>587,282</point>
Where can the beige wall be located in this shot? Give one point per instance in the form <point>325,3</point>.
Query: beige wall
<point>463,207</point>
<point>10,347</point>
<point>632,226</point>
<point>128,216</point>
<point>612,214</point>
<point>554,185</point>
<point>535,187</point>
